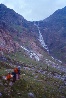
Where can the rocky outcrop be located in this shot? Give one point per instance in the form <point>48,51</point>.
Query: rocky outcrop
<point>7,44</point>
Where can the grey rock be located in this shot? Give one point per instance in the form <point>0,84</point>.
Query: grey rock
<point>0,94</point>
<point>31,95</point>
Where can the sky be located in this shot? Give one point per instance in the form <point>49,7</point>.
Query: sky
<point>34,10</point>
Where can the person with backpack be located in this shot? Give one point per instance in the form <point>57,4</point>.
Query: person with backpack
<point>9,76</point>
<point>19,72</point>
<point>14,76</point>
<point>16,72</point>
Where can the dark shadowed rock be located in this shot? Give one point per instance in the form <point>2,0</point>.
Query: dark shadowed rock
<point>0,94</point>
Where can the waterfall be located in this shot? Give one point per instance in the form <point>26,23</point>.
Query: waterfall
<point>31,53</point>
<point>41,39</point>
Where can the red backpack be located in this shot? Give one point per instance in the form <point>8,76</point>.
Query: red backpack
<point>16,70</point>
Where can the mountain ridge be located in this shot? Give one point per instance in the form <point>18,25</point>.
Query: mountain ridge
<point>26,34</point>
<point>53,29</point>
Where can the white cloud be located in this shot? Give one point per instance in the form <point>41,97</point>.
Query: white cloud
<point>34,9</point>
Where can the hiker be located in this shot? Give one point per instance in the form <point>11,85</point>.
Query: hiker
<point>16,72</point>
<point>19,72</point>
<point>9,76</point>
<point>14,76</point>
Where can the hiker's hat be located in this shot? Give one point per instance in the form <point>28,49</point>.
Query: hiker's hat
<point>19,66</point>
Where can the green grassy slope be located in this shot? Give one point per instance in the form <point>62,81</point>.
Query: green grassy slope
<point>32,79</point>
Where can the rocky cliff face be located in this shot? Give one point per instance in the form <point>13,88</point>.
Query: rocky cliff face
<point>7,44</point>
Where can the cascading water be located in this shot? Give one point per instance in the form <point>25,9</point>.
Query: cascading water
<point>41,39</point>
<point>31,53</point>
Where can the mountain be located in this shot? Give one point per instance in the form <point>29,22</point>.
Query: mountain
<point>36,47</point>
<point>53,30</point>
<point>35,38</point>
<point>22,34</point>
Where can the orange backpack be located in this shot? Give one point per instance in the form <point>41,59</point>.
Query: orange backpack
<point>8,77</point>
